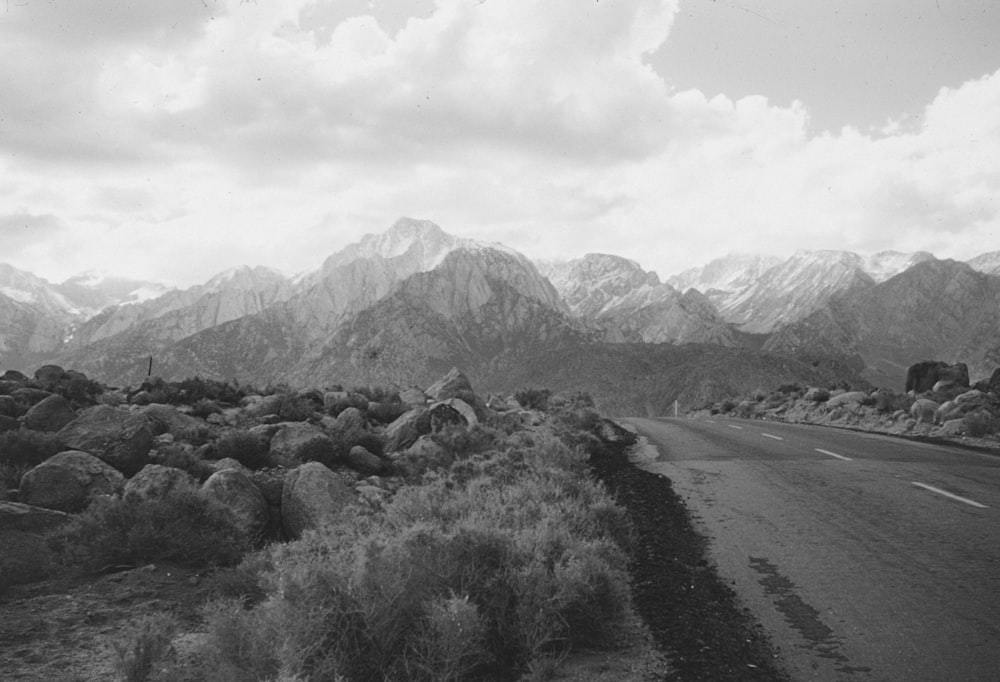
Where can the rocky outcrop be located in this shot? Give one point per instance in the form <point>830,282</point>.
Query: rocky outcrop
<point>69,481</point>
<point>121,439</point>
<point>313,496</point>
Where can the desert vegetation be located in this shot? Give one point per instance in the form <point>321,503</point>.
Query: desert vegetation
<point>335,534</point>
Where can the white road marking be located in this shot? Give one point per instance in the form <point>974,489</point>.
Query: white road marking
<point>709,421</point>
<point>767,435</point>
<point>734,426</point>
<point>833,454</point>
<point>947,494</point>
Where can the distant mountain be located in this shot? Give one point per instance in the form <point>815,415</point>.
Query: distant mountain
<point>795,289</point>
<point>724,276</point>
<point>988,263</point>
<point>628,304</point>
<point>177,314</point>
<point>94,291</point>
<point>936,310</point>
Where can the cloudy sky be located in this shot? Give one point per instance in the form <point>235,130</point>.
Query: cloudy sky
<point>171,140</point>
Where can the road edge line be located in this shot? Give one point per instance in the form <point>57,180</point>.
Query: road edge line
<point>971,503</point>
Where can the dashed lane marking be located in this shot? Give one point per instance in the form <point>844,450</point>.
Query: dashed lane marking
<point>767,435</point>
<point>833,454</point>
<point>709,421</point>
<point>967,501</point>
<point>734,426</point>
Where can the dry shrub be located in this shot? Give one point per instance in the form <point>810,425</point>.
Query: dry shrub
<point>184,527</point>
<point>243,446</point>
<point>980,423</point>
<point>513,557</point>
<point>146,644</point>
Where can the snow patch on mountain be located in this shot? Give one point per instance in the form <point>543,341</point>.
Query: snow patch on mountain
<point>988,263</point>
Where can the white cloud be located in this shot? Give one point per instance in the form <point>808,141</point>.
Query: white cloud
<point>179,143</point>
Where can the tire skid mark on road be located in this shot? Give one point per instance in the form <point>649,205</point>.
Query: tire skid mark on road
<point>803,617</point>
<point>971,503</point>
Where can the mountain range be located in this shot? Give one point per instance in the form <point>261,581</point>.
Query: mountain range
<point>404,306</point>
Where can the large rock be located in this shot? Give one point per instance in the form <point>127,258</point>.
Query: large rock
<point>68,482</point>
<point>363,461</point>
<point>454,384</point>
<point>25,518</point>
<point>923,410</point>
<point>413,397</point>
<point>947,411</point>
<point>444,415</point>
<point>235,490</point>
<point>50,415</point>
<point>49,375</point>
<point>405,431</point>
<point>922,376</point>
<point>121,439</point>
<point>350,418</point>
<point>8,424</point>
<point>30,396</point>
<point>849,398</point>
<point>8,406</point>
<point>167,419</point>
<point>312,497</point>
<point>297,442</point>
<point>336,402</point>
<point>156,481</point>
<point>259,405</point>
<point>463,408</point>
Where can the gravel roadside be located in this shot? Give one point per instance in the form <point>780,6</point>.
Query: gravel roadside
<point>694,617</point>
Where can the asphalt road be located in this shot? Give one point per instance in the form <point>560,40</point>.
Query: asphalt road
<point>866,557</point>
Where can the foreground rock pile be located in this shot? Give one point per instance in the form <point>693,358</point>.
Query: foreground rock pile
<point>282,461</point>
<point>939,401</point>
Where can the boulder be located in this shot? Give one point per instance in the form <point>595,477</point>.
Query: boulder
<point>141,398</point>
<point>424,454</point>
<point>444,415</point>
<point>167,419</point>
<point>849,398</point>
<point>49,375</point>
<point>13,375</point>
<point>923,410</point>
<point>229,463</point>
<point>50,415</point>
<point>404,432</point>
<point>463,408</point>
<point>952,427</point>
<point>413,397</point>
<point>8,424</point>
<point>335,402</point>
<point>155,481</point>
<point>363,461</point>
<point>312,497</point>
<point>350,418</point>
<point>270,482</point>
<point>974,396</point>
<point>30,396</point>
<point>922,376</point>
<point>121,439</point>
<point>8,406</point>
<point>236,491</point>
<point>454,384</point>
<point>68,482</point>
<point>948,410</point>
<point>817,395</point>
<point>258,405</point>
<point>298,442</point>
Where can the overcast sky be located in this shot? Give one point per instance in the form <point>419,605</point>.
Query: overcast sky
<point>172,140</point>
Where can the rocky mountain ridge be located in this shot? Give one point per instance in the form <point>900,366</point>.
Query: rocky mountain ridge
<point>403,305</point>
